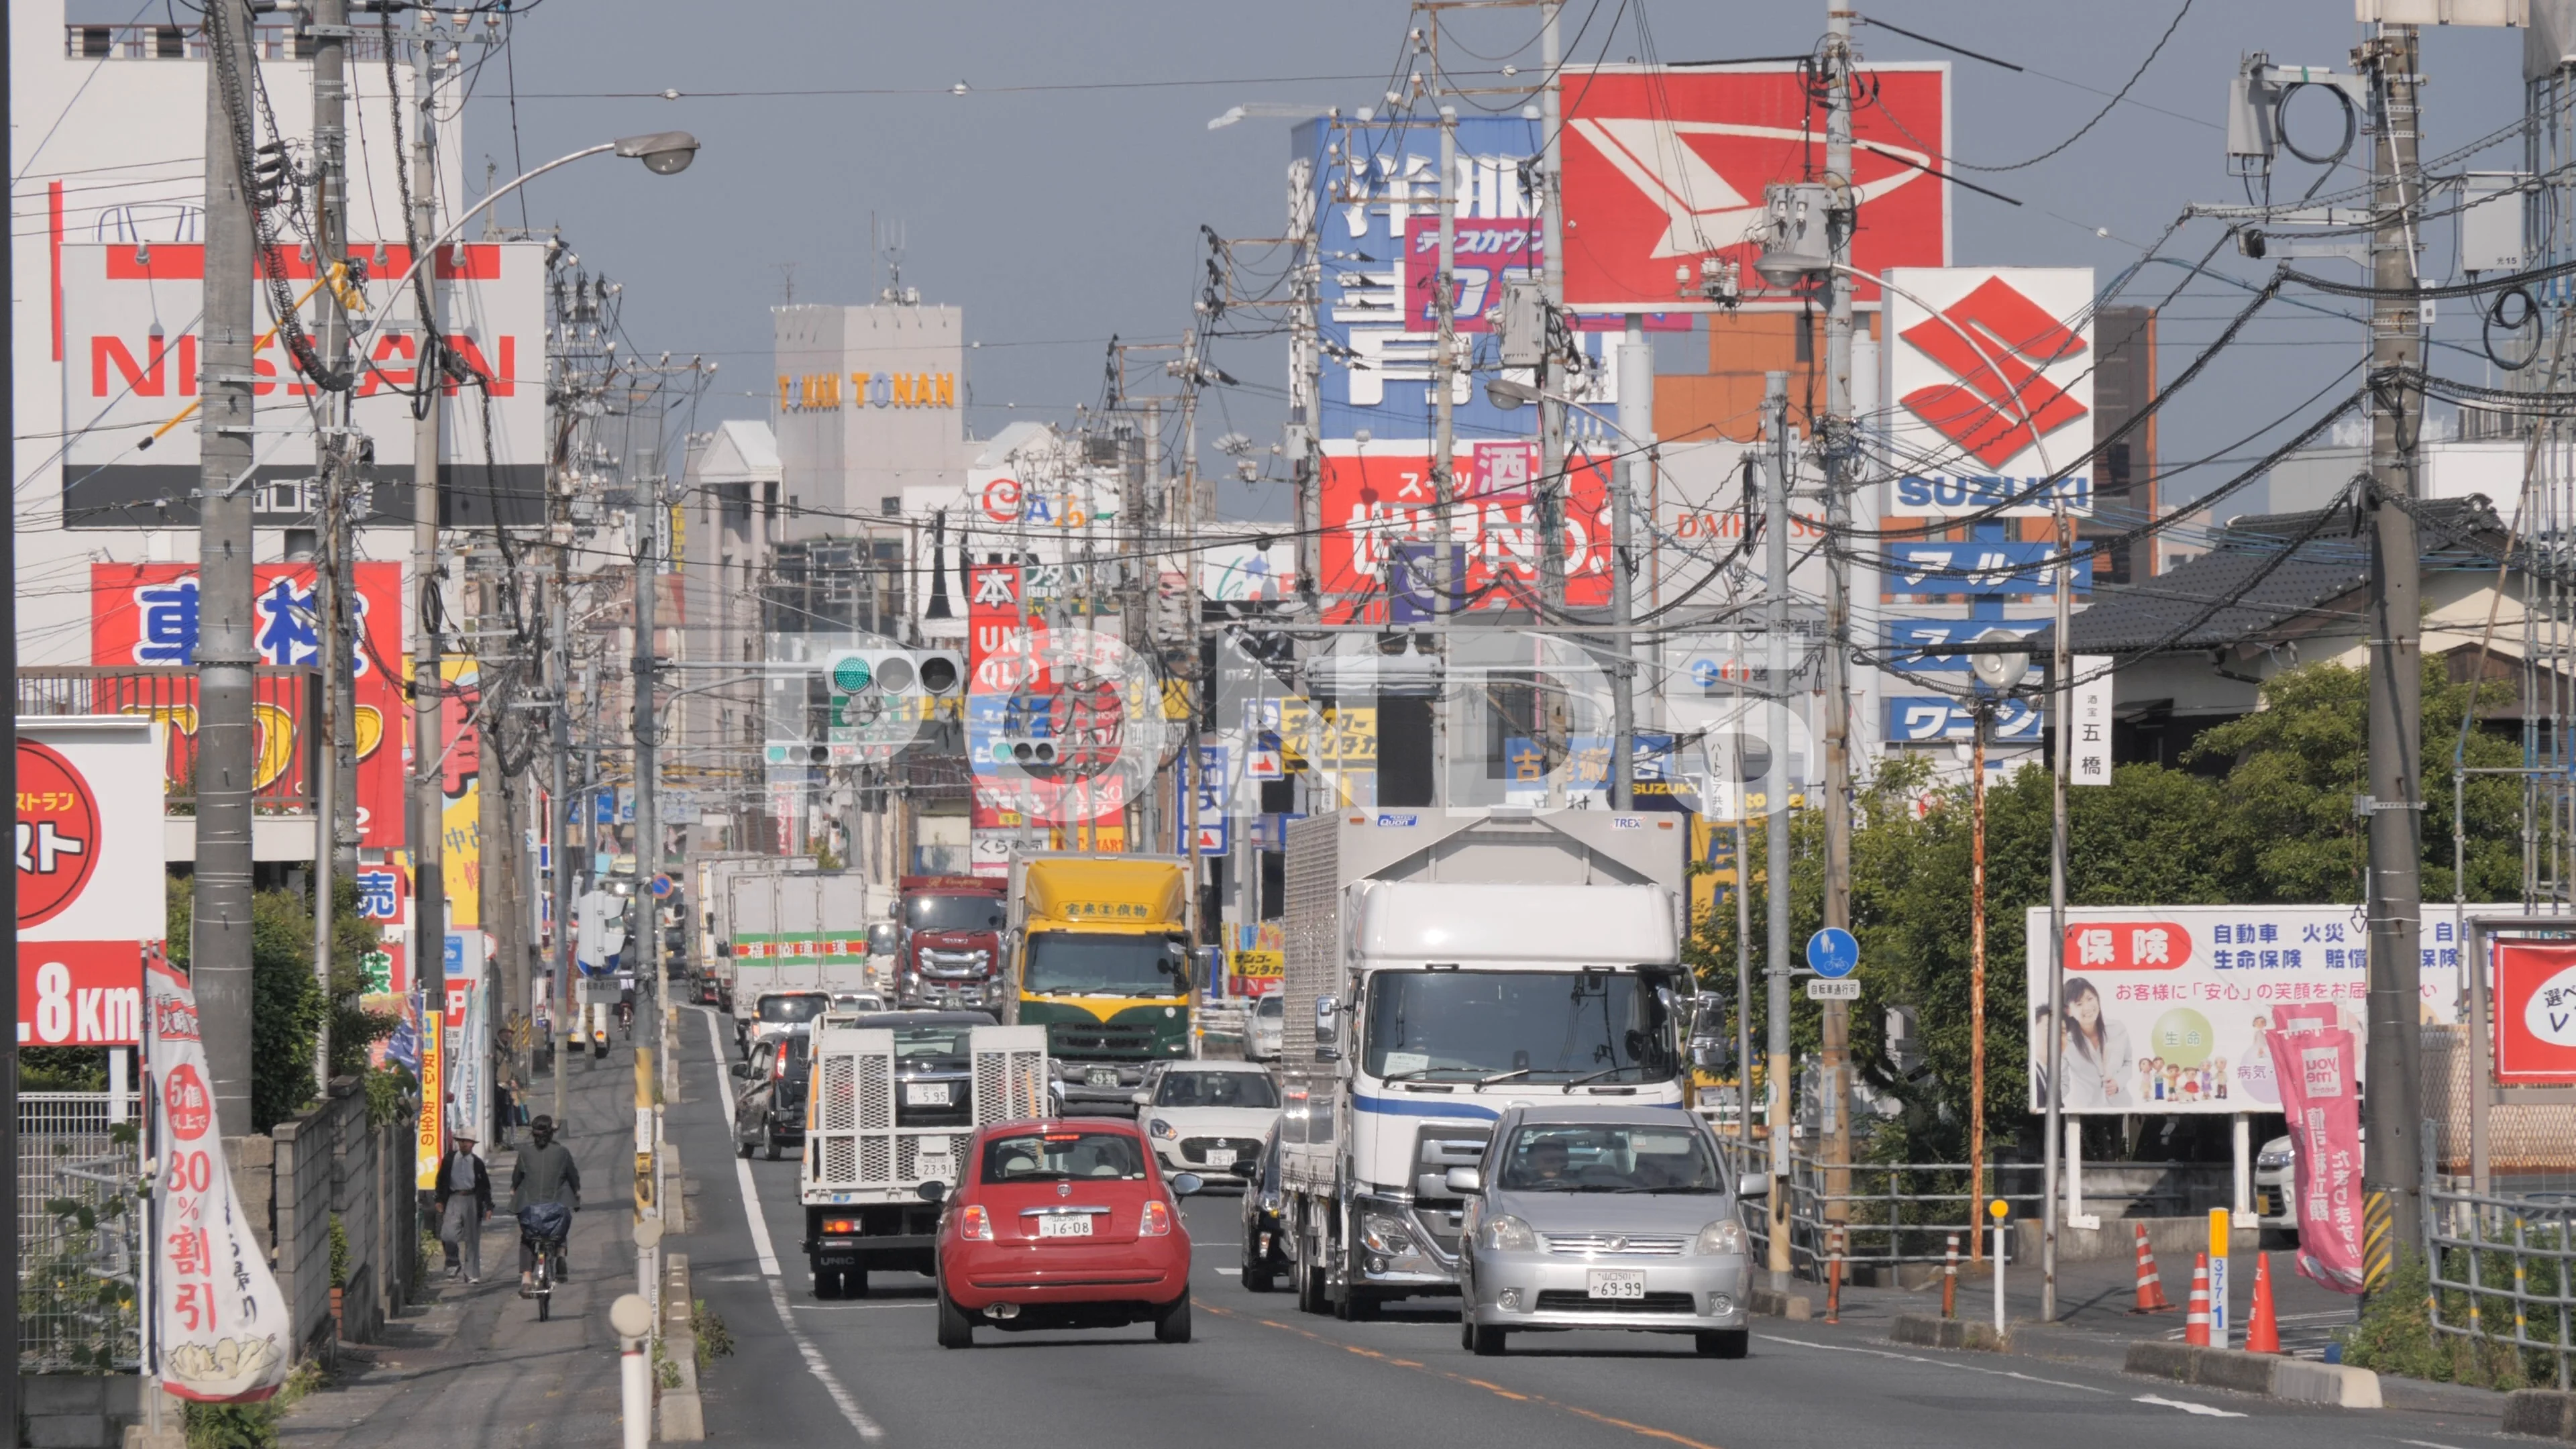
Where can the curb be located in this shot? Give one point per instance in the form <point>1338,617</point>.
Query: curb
<point>1774,1303</point>
<point>1917,1330</point>
<point>681,1415</point>
<point>2293,1380</point>
<point>2547,1413</point>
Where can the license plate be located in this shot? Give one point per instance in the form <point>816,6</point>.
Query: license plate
<point>925,1094</point>
<point>1101,1077</point>
<point>937,1169</point>
<point>1068,1225</point>
<point>1616,1283</point>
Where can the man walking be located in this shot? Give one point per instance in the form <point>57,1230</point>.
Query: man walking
<point>545,1173</point>
<point>464,1201</point>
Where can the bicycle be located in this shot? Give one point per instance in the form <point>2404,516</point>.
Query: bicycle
<point>626,1019</point>
<point>543,1227</point>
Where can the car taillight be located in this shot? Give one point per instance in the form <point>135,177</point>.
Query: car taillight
<point>975,1225</point>
<point>840,1225</point>
<point>1158,1220</point>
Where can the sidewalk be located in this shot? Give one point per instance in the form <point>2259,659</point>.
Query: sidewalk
<point>472,1368</point>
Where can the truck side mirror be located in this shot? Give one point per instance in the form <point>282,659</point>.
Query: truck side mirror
<point>1328,1027</point>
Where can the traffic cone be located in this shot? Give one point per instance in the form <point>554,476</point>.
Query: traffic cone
<point>2195,1318</point>
<point>2262,1330</point>
<point>2151,1283</point>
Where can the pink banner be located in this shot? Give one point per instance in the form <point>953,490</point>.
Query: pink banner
<point>2315,1070</point>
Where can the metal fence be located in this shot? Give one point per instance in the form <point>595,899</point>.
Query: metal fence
<point>2500,1269</point>
<point>281,696</point>
<point>79,1234</point>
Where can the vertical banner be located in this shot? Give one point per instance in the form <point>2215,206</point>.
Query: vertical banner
<point>432,1143</point>
<point>2091,709</point>
<point>460,788</point>
<point>469,1070</point>
<point>219,1327</point>
<point>2319,1096</point>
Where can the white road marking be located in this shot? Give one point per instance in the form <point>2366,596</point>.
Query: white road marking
<point>1936,1363</point>
<point>814,1363</point>
<point>2424,1444</point>
<point>2211,1411</point>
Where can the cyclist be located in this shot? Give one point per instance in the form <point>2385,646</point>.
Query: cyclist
<point>545,1173</point>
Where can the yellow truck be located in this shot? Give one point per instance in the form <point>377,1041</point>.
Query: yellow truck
<point>1100,956</point>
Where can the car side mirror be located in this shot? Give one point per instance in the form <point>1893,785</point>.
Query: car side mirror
<point>742,1069</point>
<point>1328,1024</point>
<point>1140,1099</point>
<point>1186,1184</point>
<point>933,1191</point>
<point>1465,1180</point>
<point>1753,1184</point>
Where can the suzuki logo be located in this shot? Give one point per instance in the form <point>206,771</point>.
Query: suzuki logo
<point>1996,342</point>
<point>1703,211</point>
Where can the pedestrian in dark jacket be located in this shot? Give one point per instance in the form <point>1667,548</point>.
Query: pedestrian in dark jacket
<point>464,1201</point>
<point>545,1173</point>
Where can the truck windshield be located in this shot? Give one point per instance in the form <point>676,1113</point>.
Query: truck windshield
<point>1534,1026</point>
<point>1079,964</point>
<point>953,913</point>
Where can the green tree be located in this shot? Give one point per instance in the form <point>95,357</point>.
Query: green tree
<point>288,1006</point>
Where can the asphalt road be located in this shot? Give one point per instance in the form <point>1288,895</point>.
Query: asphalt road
<point>1261,1374</point>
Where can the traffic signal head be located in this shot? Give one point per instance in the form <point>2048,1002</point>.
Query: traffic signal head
<point>907,673</point>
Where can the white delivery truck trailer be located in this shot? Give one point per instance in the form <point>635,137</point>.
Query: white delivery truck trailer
<point>806,931</point>
<point>714,905</point>
<point>1442,967</point>
<point>887,1110</point>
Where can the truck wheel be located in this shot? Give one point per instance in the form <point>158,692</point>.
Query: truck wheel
<point>1172,1321</point>
<point>1723,1343</point>
<point>827,1283</point>
<point>1310,1289</point>
<point>1485,1342</point>
<point>854,1282</point>
<point>769,1143</point>
<point>1255,1273</point>
<point>956,1330</point>
<point>746,1150</point>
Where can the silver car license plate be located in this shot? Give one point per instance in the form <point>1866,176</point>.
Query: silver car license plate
<point>925,1094</point>
<point>1101,1077</point>
<point>1067,1225</point>
<point>1616,1283</point>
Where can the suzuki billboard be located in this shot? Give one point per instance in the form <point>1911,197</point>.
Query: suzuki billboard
<point>1989,391</point>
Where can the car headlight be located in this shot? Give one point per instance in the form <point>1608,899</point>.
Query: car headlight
<point>1507,1234</point>
<point>1384,1234</point>
<point>1160,1128</point>
<point>1724,1237</point>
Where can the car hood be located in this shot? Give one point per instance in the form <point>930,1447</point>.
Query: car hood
<point>1250,1122</point>
<point>1673,1214</point>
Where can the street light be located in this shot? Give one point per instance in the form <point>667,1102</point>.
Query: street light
<point>664,153</point>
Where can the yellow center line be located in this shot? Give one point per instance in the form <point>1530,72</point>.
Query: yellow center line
<point>1646,1431</point>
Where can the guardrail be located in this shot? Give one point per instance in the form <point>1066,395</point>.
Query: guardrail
<point>2500,1269</point>
<point>283,700</point>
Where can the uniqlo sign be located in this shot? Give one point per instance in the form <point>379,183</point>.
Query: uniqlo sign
<point>1989,390</point>
<point>1665,168</point>
<point>2535,1013</point>
<point>90,866</point>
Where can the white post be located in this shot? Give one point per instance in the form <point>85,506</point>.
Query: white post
<point>2072,1165</point>
<point>116,1085</point>
<point>633,1322</point>
<point>1999,1275</point>
<point>2242,1204</point>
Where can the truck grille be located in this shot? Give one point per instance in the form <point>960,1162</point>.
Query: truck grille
<point>1566,1300</point>
<point>1592,1245</point>
<point>1087,1040</point>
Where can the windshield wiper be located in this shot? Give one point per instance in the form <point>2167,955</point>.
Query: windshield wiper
<point>1483,1082</point>
<point>1594,1076</point>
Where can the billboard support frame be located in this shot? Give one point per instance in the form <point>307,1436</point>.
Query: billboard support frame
<point>2486,1094</point>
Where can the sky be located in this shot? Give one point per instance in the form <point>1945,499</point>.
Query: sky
<point>1059,200</point>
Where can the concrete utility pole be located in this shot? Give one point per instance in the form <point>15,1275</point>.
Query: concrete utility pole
<point>1554,486</point>
<point>648,811</point>
<point>2061,715</point>
<point>428,688</point>
<point>330,32</point>
<point>1838,444</point>
<point>1629,481</point>
<point>1444,450</point>
<point>11,1394</point>
<point>219,953</point>
<point>1775,806</point>
<point>559,665</point>
<point>2392,1163</point>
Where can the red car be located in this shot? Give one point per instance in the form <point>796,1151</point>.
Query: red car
<point>1064,1224</point>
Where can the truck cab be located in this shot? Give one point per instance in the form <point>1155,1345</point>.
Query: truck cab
<point>949,948</point>
<point>1101,956</point>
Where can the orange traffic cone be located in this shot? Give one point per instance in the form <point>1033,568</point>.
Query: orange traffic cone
<point>2262,1330</point>
<point>2195,1318</point>
<point>2151,1283</point>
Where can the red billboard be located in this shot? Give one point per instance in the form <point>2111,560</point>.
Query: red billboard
<point>1664,168</point>
<point>1380,528</point>
<point>2535,1013</point>
<point>146,615</point>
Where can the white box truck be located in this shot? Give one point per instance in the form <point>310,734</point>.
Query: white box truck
<point>800,932</point>
<point>714,904</point>
<point>1442,967</point>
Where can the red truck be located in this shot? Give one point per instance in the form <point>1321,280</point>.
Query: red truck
<point>951,952</point>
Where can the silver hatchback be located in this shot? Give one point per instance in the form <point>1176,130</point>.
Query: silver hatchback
<point>1592,1216</point>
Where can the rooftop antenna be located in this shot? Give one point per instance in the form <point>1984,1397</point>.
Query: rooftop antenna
<point>889,245</point>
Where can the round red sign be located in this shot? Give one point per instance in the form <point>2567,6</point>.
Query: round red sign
<point>58,844</point>
<point>186,1104</point>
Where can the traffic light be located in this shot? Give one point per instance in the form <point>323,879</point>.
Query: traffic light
<point>899,673</point>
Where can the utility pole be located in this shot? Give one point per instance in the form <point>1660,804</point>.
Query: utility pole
<point>648,813</point>
<point>2392,1164</point>
<point>330,32</point>
<point>2061,715</point>
<point>560,666</point>
<point>1838,443</point>
<point>428,687</point>
<point>1775,805</point>
<point>1444,449</point>
<point>1553,483</point>
<point>12,1394</point>
<point>220,951</point>
<point>1629,479</point>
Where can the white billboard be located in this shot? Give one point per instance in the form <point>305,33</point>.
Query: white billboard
<point>131,324</point>
<point>2166,1006</point>
<point>1989,389</point>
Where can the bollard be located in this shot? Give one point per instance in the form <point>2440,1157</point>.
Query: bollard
<point>1999,1209</point>
<point>1950,1281</point>
<point>1834,1279</point>
<point>633,1322</point>
<point>2218,1244</point>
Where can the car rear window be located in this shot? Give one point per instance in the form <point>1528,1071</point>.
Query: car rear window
<point>1216,1089</point>
<point>792,1008</point>
<point>1063,1154</point>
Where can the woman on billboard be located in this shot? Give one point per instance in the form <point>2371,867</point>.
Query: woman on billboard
<point>2097,1060</point>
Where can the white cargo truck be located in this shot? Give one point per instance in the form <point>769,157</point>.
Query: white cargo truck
<point>714,904</point>
<point>1442,967</point>
<point>888,1109</point>
<point>805,931</point>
